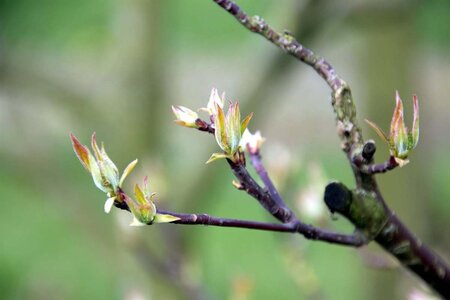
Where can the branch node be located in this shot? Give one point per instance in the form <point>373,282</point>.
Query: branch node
<point>258,24</point>
<point>338,198</point>
<point>369,150</point>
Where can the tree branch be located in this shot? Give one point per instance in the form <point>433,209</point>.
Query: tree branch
<point>262,173</point>
<point>272,201</point>
<point>415,255</point>
<point>364,206</point>
<point>281,212</point>
<point>269,199</point>
<point>308,231</point>
<point>364,160</point>
<point>342,100</point>
<point>369,215</point>
<point>388,165</point>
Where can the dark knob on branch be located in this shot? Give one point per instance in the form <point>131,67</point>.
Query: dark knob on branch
<point>369,150</point>
<point>337,197</point>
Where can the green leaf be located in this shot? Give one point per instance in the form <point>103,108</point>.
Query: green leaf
<point>109,204</point>
<point>164,218</point>
<point>82,152</point>
<point>127,171</point>
<point>216,156</point>
<point>136,222</point>
<point>245,122</point>
<point>220,130</point>
<point>140,197</point>
<point>378,130</point>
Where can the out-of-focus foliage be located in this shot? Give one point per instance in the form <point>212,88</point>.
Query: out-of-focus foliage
<point>116,67</point>
<point>61,25</point>
<point>433,20</point>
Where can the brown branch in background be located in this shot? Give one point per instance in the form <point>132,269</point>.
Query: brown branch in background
<point>364,206</point>
<point>170,270</point>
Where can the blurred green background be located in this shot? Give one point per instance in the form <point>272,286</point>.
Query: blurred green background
<point>116,66</point>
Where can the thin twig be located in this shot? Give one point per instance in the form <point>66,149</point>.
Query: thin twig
<point>255,158</point>
<point>269,199</point>
<point>308,231</point>
<point>366,166</point>
<point>281,212</point>
<point>204,126</point>
<point>388,165</point>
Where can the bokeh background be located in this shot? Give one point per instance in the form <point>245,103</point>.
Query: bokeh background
<point>116,67</point>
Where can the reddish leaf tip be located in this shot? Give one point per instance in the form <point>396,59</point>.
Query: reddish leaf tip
<point>81,152</point>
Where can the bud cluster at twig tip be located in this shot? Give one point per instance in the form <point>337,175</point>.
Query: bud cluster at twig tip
<point>106,177</point>
<point>401,141</point>
<point>185,116</point>
<point>252,141</point>
<point>230,132</point>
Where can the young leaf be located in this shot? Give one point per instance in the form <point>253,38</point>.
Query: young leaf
<point>164,218</point>
<point>82,152</point>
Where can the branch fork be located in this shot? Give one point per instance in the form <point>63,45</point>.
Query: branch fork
<point>394,235</point>
<point>364,205</point>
